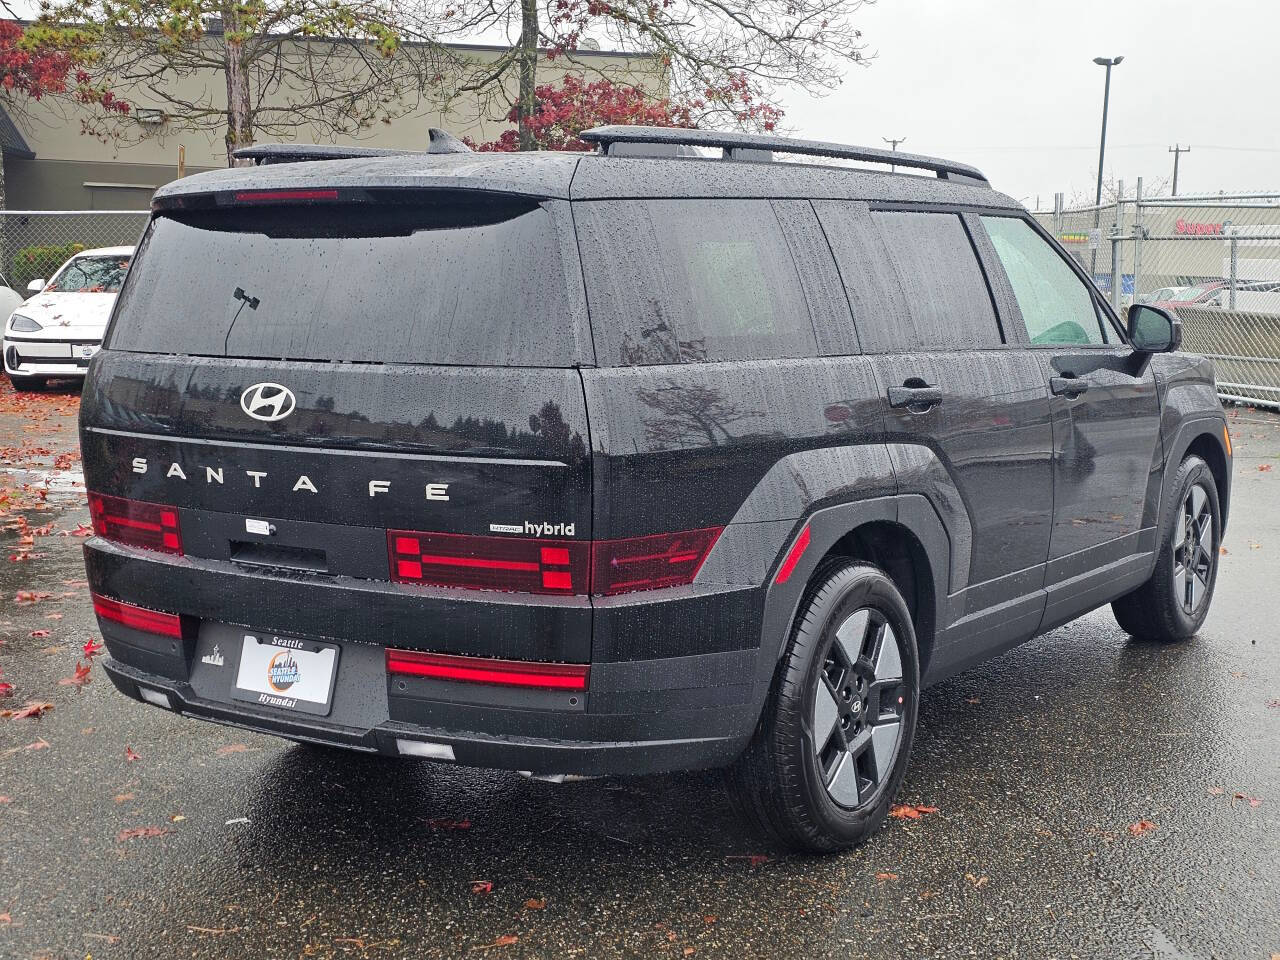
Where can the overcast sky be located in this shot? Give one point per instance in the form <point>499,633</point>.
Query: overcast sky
<point>1009,86</point>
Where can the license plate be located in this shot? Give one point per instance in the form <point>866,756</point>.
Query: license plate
<point>287,673</point>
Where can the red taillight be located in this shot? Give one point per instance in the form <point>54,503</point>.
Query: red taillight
<point>525,565</point>
<point>139,618</point>
<point>647,563</point>
<point>150,525</point>
<point>506,673</point>
<point>285,196</point>
<point>489,563</point>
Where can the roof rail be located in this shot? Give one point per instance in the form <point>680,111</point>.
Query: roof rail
<point>265,153</point>
<point>750,146</point>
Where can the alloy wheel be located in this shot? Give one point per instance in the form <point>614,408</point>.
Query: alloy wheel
<point>1193,550</point>
<point>857,717</point>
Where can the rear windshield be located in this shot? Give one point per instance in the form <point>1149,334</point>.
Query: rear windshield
<point>456,282</point>
<point>91,275</point>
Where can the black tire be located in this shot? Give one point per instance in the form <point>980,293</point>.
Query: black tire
<point>31,384</point>
<point>1162,609</point>
<point>784,783</point>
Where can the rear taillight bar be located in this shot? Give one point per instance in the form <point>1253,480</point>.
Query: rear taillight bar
<point>503,673</point>
<point>489,563</point>
<point>285,196</point>
<point>153,526</point>
<point>530,565</point>
<point>139,618</point>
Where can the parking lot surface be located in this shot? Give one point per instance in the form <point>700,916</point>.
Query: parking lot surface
<point>1093,796</point>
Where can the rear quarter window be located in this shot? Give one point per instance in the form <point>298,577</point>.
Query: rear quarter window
<point>680,281</point>
<point>462,280</point>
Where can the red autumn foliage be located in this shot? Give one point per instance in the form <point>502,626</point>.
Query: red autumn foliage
<point>566,110</point>
<point>80,678</point>
<point>40,62</point>
<point>906,811</point>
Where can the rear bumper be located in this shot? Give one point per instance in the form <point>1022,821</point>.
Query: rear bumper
<point>539,755</point>
<point>691,711</point>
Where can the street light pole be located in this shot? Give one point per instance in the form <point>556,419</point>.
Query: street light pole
<point>894,146</point>
<point>1107,62</point>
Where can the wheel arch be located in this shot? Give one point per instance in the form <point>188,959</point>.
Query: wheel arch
<point>1205,439</point>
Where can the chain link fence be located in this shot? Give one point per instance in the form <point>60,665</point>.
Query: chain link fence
<point>35,243</point>
<point>1212,259</point>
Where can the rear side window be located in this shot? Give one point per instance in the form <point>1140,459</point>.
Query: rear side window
<point>458,281</point>
<point>1056,305</point>
<point>671,281</point>
<point>913,279</point>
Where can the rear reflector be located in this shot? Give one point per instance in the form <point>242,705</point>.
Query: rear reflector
<point>155,697</point>
<point>423,748</point>
<point>793,557</point>
<point>153,526</point>
<point>648,563</point>
<point>139,618</point>
<point>492,563</point>
<point>285,196</point>
<point>504,673</point>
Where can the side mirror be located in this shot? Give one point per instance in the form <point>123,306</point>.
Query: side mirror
<point>35,286</point>
<point>1152,330</point>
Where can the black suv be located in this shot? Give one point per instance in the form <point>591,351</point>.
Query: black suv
<point>627,462</point>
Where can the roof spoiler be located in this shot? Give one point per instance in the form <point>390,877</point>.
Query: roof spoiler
<point>263,154</point>
<point>760,148</point>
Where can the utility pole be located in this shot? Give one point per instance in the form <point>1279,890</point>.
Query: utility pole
<point>1107,62</point>
<point>894,147</point>
<point>1177,150</point>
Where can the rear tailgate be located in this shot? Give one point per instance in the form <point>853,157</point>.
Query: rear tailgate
<point>301,381</point>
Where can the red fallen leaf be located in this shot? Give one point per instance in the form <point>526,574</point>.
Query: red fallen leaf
<point>885,875</point>
<point>24,597</point>
<point>92,648</point>
<point>482,886</point>
<point>6,690</point>
<point>753,859</point>
<point>907,811</point>
<point>1141,827</point>
<point>81,676</point>
<point>41,744</point>
<point>40,634</point>
<point>1216,791</point>
<point>6,800</point>
<point>141,832</point>
<point>20,557</point>
<point>34,710</point>
<point>129,754</point>
<point>535,904</point>
<point>1253,801</point>
<point>1264,468</point>
<point>442,823</point>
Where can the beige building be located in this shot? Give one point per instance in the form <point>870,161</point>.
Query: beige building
<point>50,164</point>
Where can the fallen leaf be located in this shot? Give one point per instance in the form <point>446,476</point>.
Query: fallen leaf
<point>1141,827</point>
<point>973,700</point>
<point>81,676</point>
<point>141,832</point>
<point>130,755</point>
<point>690,951</point>
<point>123,797</point>
<point>506,940</point>
<point>535,904</point>
<point>40,634</point>
<point>1216,791</point>
<point>978,882</point>
<point>886,875</point>
<point>906,811</point>
<point>6,690</point>
<point>6,800</point>
<point>176,818</point>
<point>482,886</point>
<point>710,918</point>
<point>1264,468</point>
<point>34,709</point>
<point>1253,801</point>
<point>92,648</point>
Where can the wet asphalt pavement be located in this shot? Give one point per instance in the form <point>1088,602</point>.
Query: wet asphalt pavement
<point>1038,763</point>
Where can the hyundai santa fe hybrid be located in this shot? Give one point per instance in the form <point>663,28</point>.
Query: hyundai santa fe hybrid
<point>627,462</point>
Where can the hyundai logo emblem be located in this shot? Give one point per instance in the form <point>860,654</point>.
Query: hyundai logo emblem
<point>267,401</point>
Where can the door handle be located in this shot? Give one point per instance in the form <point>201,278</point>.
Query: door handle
<point>922,397</point>
<point>1067,386</point>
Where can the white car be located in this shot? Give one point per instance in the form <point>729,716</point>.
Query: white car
<point>58,330</point>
